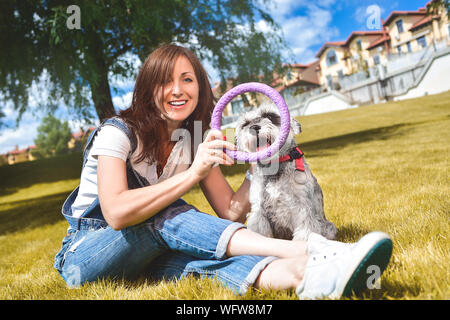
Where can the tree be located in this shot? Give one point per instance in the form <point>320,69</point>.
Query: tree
<point>53,136</point>
<point>79,62</point>
<point>435,7</point>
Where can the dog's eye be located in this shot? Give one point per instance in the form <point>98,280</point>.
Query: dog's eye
<point>246,123</point>
<point>273,117</point>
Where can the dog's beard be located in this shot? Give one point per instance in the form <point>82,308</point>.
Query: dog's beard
<point>258,143</point>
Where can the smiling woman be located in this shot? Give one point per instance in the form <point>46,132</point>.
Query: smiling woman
<point>169,76</point>
<point>180,95</point>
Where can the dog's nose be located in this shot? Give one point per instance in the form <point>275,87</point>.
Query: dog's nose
<point>255,128</point>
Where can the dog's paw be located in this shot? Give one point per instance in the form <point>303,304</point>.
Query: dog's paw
<point>301,234</point>
<point>330,231</point>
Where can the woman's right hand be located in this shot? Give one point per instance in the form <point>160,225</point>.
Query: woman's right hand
<point>211,152</point>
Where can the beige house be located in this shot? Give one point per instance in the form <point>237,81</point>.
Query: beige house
<point>343,58</point>
<point>332,62</point>
<point>411,31</point>
<point>78,139</point>
<point>299,78</point>
<point>21,155</point>
<point>379,49</point>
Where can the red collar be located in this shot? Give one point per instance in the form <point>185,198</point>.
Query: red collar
<point>297,155</point>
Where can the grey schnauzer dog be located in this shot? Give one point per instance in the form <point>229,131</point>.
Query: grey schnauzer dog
<point>286,202</point>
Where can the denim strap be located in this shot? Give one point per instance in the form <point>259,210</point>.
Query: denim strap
<point>92,217</point>
<point>119,124</point>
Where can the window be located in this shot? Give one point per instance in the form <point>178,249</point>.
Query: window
<point>359,44</point>
<point>422,42</point>
<point>289,75</point>
<point>399,49</point>
<point>340,74</point>
<point>399,24</point>
<point>408,45</point>
<point>331,58</point>
<point>330,81</point>
<point>237,106</point>
<point>376,59</point>
<point>366,63</point>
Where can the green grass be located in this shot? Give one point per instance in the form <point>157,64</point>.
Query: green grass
<point>382,167</point>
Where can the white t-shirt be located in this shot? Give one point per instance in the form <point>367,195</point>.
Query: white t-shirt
<point>111,141</point>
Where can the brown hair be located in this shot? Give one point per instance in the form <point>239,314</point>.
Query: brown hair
<point>144,117</point>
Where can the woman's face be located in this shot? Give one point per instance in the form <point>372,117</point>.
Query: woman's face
<point>180,95</point>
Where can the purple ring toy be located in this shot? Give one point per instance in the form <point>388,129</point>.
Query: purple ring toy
<point>284,115</point>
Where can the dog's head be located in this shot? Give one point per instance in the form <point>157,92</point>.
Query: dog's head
<point>258,129</point>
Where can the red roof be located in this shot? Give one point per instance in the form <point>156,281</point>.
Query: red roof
<point>328,45</point>
<point>395,14</point>
<point>347,41</point>
<point>424,21</point>
<point>78,134</point>
<point>308,75</point>
<point>302,65</point>
<point>362,33</point>
<point>17,151</point>
<point>379,41</point>
<point>82,133</point>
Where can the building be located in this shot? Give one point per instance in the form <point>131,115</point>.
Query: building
<point>402,32</point>
<point>17,155</point>
<point>342,58</point>
<point>407,57</point>
<point>20,155</point>
<point>411,31</point>
<point>299,78</point>
<point>332,62</point>
<point>78,139</point>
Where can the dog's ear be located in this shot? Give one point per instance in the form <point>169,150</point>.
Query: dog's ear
<point>296,126</point>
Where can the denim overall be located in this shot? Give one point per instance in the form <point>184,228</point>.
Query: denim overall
<point>177,241</point>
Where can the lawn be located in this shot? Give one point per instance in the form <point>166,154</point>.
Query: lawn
<point>381,167</point>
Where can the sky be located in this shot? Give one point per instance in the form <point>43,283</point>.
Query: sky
<point>305,26</point>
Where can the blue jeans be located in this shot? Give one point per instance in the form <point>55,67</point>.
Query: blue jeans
<point>177,241</point>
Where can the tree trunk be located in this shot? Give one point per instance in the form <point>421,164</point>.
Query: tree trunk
<point>101,95</point>
<point>100,89</point>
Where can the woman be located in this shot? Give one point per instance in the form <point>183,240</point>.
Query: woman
<point>127,218</point>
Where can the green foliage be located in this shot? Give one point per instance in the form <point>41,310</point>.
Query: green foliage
<point>436,5</point>
<point>79,62</point>
<point>36,154</point>
<point>53,136</point>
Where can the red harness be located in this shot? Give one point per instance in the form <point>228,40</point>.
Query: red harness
<point>297,155</point>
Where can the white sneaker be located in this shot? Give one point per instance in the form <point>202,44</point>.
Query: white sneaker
<point>340,270</point>
<point>317,243</point>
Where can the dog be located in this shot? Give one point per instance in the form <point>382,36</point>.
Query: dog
<point>286,200</point>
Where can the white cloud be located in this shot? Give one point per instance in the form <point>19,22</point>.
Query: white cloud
<point>213,74</point>
<point>76,125</point>
<point>121,83</point>
<point>124,101</point>
<point>304,31</point>
<point>22,137</point>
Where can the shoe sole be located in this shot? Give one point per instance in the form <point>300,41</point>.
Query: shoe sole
<point>379,251</point>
